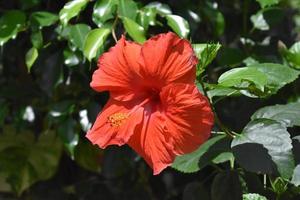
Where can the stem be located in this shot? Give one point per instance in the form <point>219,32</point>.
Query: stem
<point>113,29</point>
<point>217,120</point>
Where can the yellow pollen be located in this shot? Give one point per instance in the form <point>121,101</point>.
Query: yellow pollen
<point>116,119</point>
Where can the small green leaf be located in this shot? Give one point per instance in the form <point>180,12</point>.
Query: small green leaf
<point>266,18</point>
<point>259,22</point>
<point>274,137</point>
<point>10,24</point>
<point>42,18</point>
<point>188,163</point>
<point>288,115</point>
<point>71,58</point>
<point>78,34</point>
<point>94,40</point>
<point>253,196</point>
<point>162,9</point>
<point>128,9</point>
<point>103,11</point>
<point>37,39</point>
<point>296,176</point>
<point>71,9</point>
<point>30,57</point>
<point>179,25</point>
<point>265,3</point>
<point>135,31</point>
<point>292,55</point>
<point>223,157</point>
<point>205,53</point>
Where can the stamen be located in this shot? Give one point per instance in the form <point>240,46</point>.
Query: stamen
<point>117,119</point>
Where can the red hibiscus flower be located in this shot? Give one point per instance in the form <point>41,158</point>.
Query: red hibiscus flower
<point>154,106</point>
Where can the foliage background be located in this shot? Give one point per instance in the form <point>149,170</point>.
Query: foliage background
<point>48,52</point>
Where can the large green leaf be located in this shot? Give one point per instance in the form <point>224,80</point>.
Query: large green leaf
<point>25,161</point>
<point>71,9</point>
<point>135,31</point>
<point>179,25</point>
<point>128,9</point>
<point>288,114</point>
<point>205,54</point>
<point>274,137</point>
<point>42,18</point>
<point>94,40</point>
<point>78,34</point>
<point>189,163</point>
<point>10,24</point>
<point>103,11</point>
<point>277,75</point>
<point>296,176</point>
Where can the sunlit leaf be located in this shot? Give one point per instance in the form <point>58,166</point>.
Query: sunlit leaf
<point>103,11</point>
<point>78,34</point>
<point>162,9</point>
<point>128,9</point>
<point>71,9</point>
<point>296,176</point>
<point>94,40</point>
<point>135,31</point>
<point>179,25</point>
<point>253,196</point>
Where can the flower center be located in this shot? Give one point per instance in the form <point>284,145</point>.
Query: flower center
<point>117,119</point>
<point>154,95</point>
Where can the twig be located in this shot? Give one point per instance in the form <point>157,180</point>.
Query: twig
<point>113,29</point>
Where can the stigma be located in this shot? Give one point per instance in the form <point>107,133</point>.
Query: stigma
<point>117,119</point>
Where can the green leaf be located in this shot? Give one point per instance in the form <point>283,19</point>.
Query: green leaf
<point>226,184</point>
<point>30,57</point>
<point>266,18</point>
<point>162,9</point>
<point>94,40</point>
<point>236,76</point>
<point>135,31</point>
<point>219,91</point>
<point>26,161</point>
<point>296,176</point>
<point>10,24</point>
<point>146,17</point>
<point>128,9</point>
<point>288,115</point>
<point>274,137</point>
<point>68,134</point>
<point>37,39</point>
<point>179,25</point>
<point>293,55</point>
<point>71,58</point>
<point>253,196</point>
<point>42,18</point>
<point>205,53</point>
<point>277,75</point>
<point>71,9</point>
<point>103,11</point>
<point>265,3</point>
<point>78,34</point>
<point>259,22</point>
<point>188,163</point>
<point>223,157</point>
<point>88,156</point>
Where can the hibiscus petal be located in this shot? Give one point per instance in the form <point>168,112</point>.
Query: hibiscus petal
<point>116,123</point>
<point>151,142</point>
<point>166,58</point>
<point>118,71</point>
<point>189,116</point>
